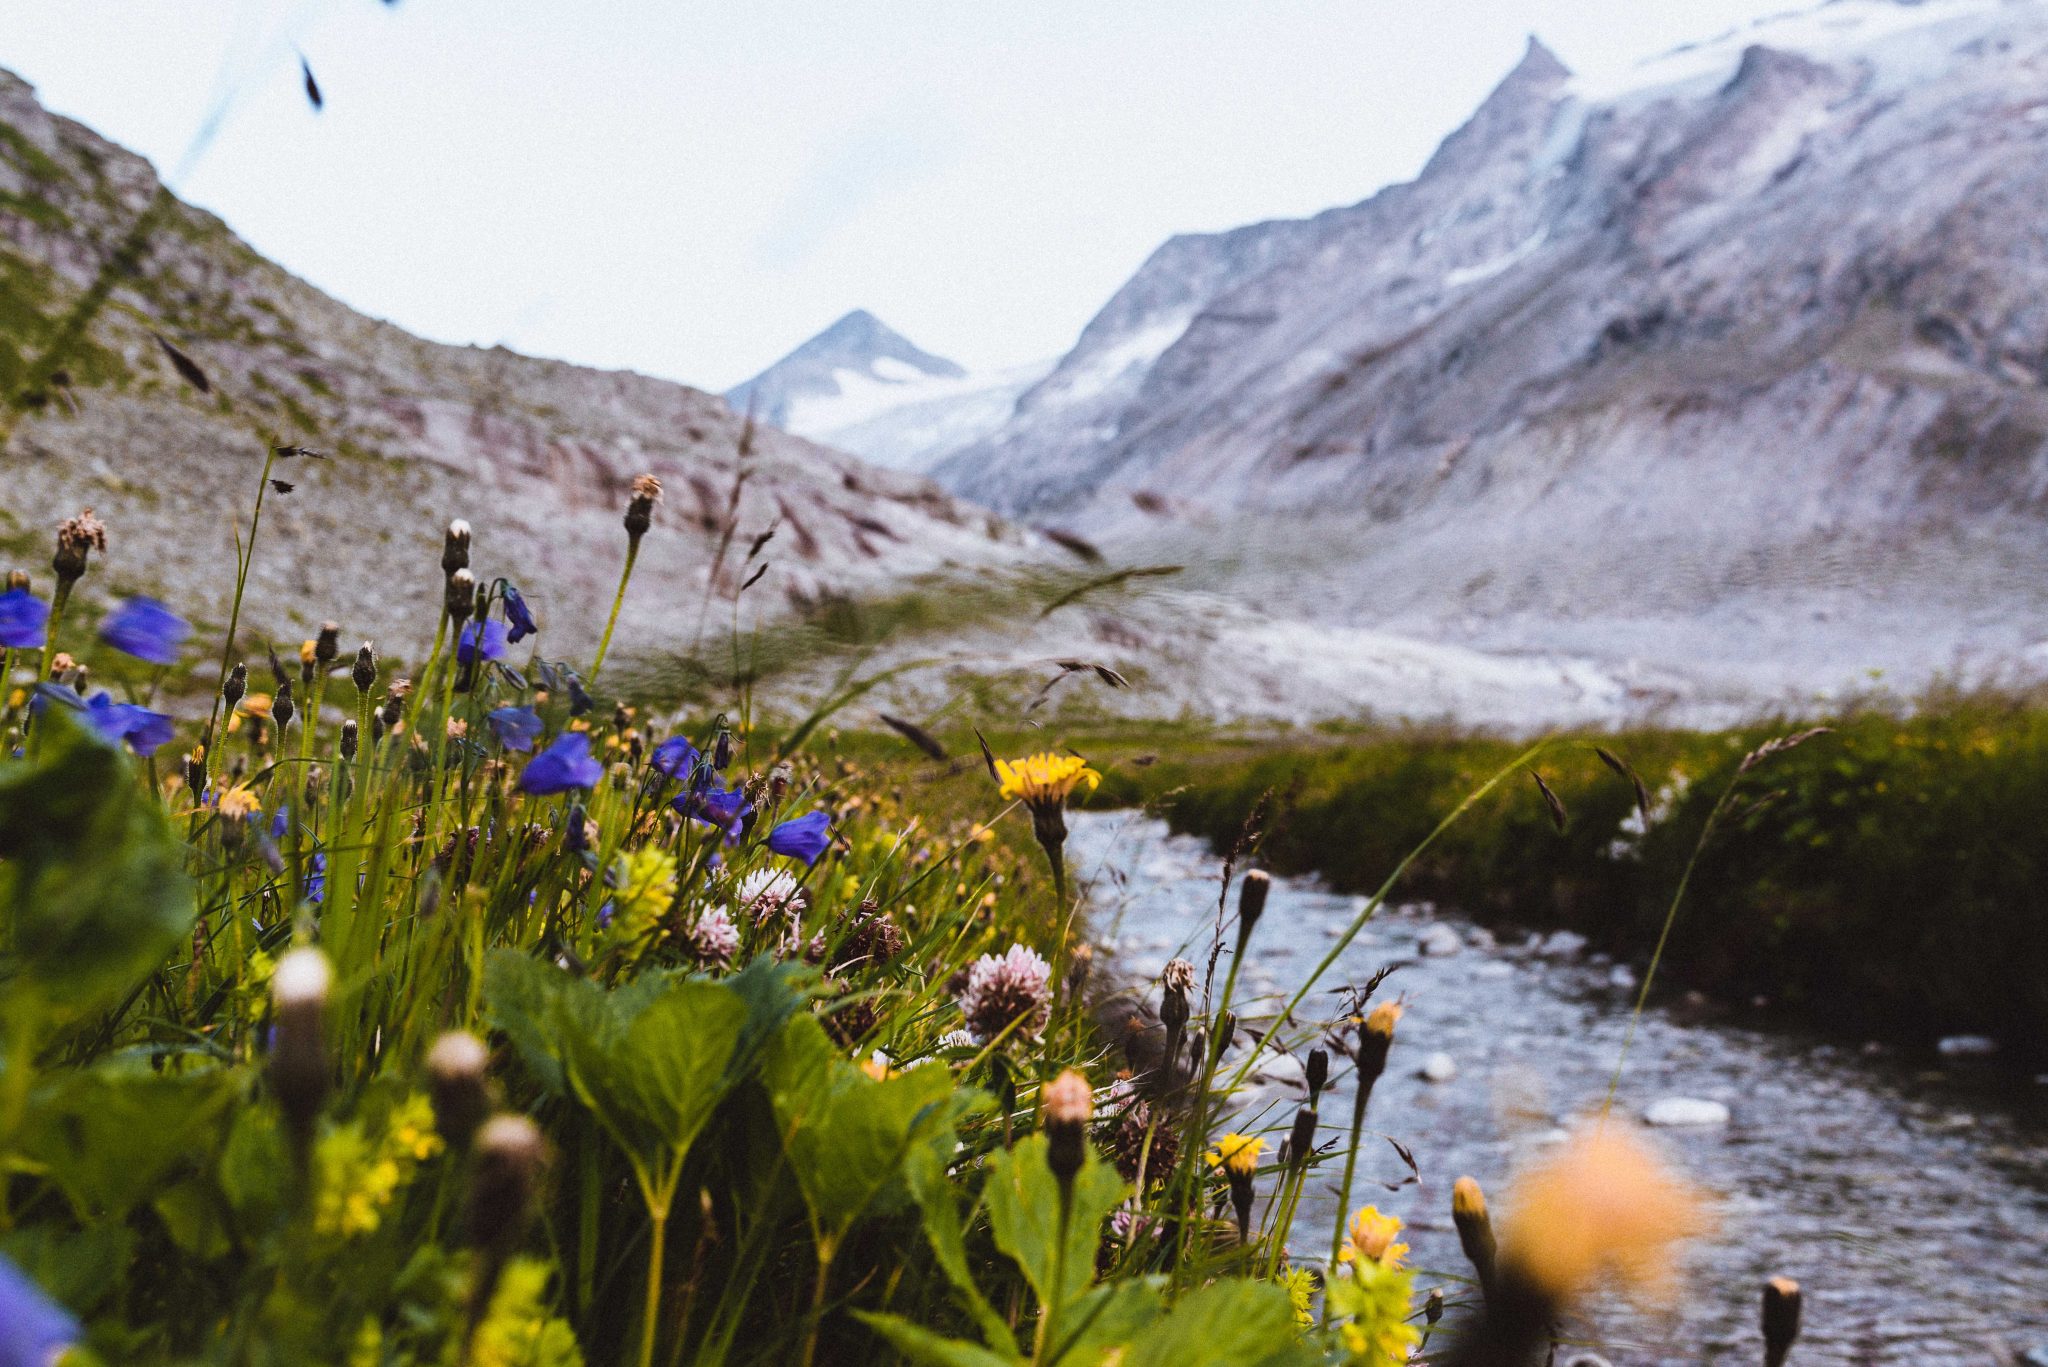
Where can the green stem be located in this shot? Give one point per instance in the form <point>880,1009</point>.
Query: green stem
<point>618,601</point>
<point>826,1248</point>
<point>650,1315</point>
<point>1048,1323</point>
<point>1344,1201</point>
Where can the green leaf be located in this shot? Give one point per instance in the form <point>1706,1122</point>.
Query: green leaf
<point>110,1138</point>
<point>922,1346</point>
<point>191,1214</point>
<point>256,1168</point>
<point>1234,1323</point>
<point>519,1000</point>
<point>1024,1209</point>
<point>924,1170</point>
<point>77,1270</point>
<point>93,892</point>
<point>848,1135</point>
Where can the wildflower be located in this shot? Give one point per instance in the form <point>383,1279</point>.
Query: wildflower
<point>1127,1140</point>
<point>492,635</point>
<point>455,548</point>
<point>360,1177</point>
<point>460,599</point>
<point>146,629</point>
<point>298,1049</point>
<point>23,620</point>
<point>517,728</point>
<point>1251,904</point>
<point>350,738</point>
<point>34,1330</point>
<point>1006,988</point>
<point>1371,1235</point>
<point>646,883</point>
<point>364,674</point>
<point>327,647</point>
<point>715,806</point>
<point>519,615</point>
<point>509,1156</point>
<point>1069,1102</point>
<point>1605,1207</point>
<point>712,939</point>
<point>77,538</point>
<point>113,722</point>
<point>1317,1073</point>
<point>874,938</point>
<point>876,1066</point>
<point>1044,782</point>
<point>1375,1040</point>
<point>1375,1303</point>
<point>563,766</point>
<point>236,684</point>
<point>805,837</point>
<point>646,492</point>
<point>457,1083</point>
<point>1301,1140</point>
<point>281,708</point>
<point>239,803</point>
<point>1475,1229</point>
<point>677,758</point>
<point>316,878</point>
<point>1300,1285</point>
<point>1781,1319</point>
<point>1236,1154</point>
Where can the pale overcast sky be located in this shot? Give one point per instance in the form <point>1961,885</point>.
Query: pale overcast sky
<point>689,189</point>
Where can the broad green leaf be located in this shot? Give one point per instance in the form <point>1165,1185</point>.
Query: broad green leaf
<point>1106,1317</point>
<point>1234,1323</point>
<point>256,1168</point>
<point>191,1213</point>
<point>93,892</point>
<point>519,1000</point>
<point>110,1138</point>
<point>77,1270</point>
<point>924,1169</point>
<point>922,1346</point>
<point>847,1135</point>
<point>1024,1209</point>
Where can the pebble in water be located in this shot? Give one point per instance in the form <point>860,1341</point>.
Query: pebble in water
<point>1685,1110</point>
<point>1438,1067</point>
<point>1440,942</point>
<point>1967,1046</point>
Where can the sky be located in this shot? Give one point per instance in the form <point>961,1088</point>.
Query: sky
<point>689,189</point>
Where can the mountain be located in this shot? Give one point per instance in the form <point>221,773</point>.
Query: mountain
<point>1733,373</point>
<point>95,257</point>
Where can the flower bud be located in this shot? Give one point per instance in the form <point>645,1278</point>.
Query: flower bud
<point>394,704</point>
<point>1375,1039</point>
<point>282,709</point>
<point>455,548</point>
<point>461,597</point>
<point>1251,904</point>
<point>1080,963</point>
<point>646,492</point>
<point>17,579</point>
<point>77,538</point>
<point>298,1047</point>
<point>195,769</point>
<point>576,836</point>
<point>509,1156</point>
<point>1781,1319</point>
<point>1226,1029</point>
<point>1069,1105</point>
<point>328,645</point>
<point>1301,1141</point>
<point>1176,981</point>
<point>236,686</point>
<point>364,674</point>
<point>1317,1072</point>
<point>460,1089</point>
<point>1433,1308</point>
<point>1475,1229</point>
<point>349,739</point>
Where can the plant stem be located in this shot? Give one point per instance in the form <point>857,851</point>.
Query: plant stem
<point>618,601</point>
<point>826,1249</point>
<point>1048,1323</point>
<point>650,1318</point>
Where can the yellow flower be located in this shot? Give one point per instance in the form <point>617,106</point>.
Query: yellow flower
<point>1044,780</point>
<point>876,1067</point>
<point>1371,1235</point>
<point>1236,1153</point>
<point>306,649</point>
<point>1604,1207</point>
<point>239,802</point>
<point>1301,1286</point>
<point>256,704</point>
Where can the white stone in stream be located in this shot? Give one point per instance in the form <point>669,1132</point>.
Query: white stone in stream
<point>1588,1360</point>
<point>1494,968</point>
<point>1562,944</point>
<point>1479,937</point>
<point>1685,1110</point>
<point>1439,942</point>
<point>1968,1046</point>
<point>1622,977</point>
<point>1438,1068</point>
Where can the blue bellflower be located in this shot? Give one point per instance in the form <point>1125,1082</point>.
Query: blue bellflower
<point>565,765</point>
<point>23,618</point>
<point>113,722</point>
<point>519,615</point>
<point>33,1328</point>
<point>714,806</point>
<point>805,837</point>
<point>676,757</point>
<point>146,629</point>
<point>494,641</point>
<point>517,728</point>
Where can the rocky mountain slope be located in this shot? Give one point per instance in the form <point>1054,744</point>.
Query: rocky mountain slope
<point>536,454</point>
<point>1731,376</point>
<point>863,387</point>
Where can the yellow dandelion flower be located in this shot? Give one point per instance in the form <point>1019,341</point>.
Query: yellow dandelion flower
<point>256,705</point>
<point>1236,1153</point>
<point>1372,1235</point>
<point>1604,1208</point>
<point>240,802</point>
<point>306,649</point>
<point>1044,779</point>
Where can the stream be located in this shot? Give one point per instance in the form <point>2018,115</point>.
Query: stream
<point>1907,1192</point>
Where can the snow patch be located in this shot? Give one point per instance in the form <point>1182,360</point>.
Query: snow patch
<point>1486,270</point>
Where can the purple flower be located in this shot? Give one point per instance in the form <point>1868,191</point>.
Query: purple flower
<point>562,766</point>
<point>111,721</point>
<point>1004,988</point>
<point>519,615</point>
<point>33,1328</point>
<point>146,629</point>
<point>517,728</point>
<point>676,757</point>
<point>316,879</point>
<point>280,823</point>
<point>494,641</point>
<point>804,838</point>
<point>23,616</point>
<point>715,806</point>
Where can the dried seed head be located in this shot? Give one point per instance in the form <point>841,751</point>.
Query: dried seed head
<point>328,645</point>
<point>646,493</point>
<point>459,1086</point>
<point>237,685</point>
<point>1781,1319</point>
<point>455,548</point>
<point>281,707</point>
<point>1433,1308</point>
<point>1318,1073</point>
<point>1080,963</point>
<point>1069,1105</point>
<point>1251,902</point>
<point>77,538</point>
<point>394,703</point>
<point>509,1156</point>
<point>364,674</point>
<point>299,987</point>
<point>461,597</point>
<point>350,739</point>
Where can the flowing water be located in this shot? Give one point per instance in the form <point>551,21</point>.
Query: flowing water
<point>1907,1193</point>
